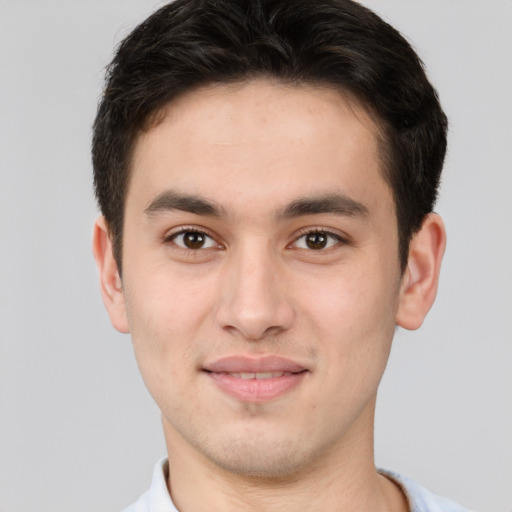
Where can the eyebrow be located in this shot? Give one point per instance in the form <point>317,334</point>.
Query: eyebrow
<point>171,200</point>
<point>338,204</point>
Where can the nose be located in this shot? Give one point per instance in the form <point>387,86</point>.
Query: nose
<point>253,298</point>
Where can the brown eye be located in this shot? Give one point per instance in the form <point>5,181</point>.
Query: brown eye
<point>193,240</point>
<point>317,240</point>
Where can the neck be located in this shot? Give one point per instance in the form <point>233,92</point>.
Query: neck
<point>342,478</point>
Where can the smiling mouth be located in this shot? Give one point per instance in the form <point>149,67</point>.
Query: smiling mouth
<point>255,379</point>
<point>258,376</point>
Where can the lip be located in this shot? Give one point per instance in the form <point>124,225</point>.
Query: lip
<point>225,373</point>
<point>254,364</point>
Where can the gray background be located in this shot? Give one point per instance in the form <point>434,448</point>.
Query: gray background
<point>78,431</point>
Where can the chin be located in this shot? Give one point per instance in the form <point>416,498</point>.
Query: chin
<point>261,457</point>
<point>260,462</point>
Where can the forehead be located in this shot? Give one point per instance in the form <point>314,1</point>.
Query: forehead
<point>258,140</point>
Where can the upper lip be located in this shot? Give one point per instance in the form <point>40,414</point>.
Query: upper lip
<point>254,364</point>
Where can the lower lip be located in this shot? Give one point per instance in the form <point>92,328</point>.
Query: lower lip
<point>256,390</point>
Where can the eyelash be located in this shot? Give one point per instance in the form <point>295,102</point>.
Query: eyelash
<point>302,235</point>
<point>320,231</point>
<point>172,237</point>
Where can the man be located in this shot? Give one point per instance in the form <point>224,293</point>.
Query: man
<point>267,172</point>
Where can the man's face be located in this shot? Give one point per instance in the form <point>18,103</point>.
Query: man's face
<point>261,274</point>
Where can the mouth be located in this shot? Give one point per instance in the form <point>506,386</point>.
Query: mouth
<point>257,380</point>
<point>258,376</point>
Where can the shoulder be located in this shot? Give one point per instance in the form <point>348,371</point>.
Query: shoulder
<point>141,505</point>
<point>421,499</point>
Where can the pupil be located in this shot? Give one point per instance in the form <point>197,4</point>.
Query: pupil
<point>193,240</point>
<point>316,240</point>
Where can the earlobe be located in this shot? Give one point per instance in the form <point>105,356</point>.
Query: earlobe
<point>419,282</point>
<point>110,280</point>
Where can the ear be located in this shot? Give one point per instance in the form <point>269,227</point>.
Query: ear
<point>419,282</point>
<point>110,281</point>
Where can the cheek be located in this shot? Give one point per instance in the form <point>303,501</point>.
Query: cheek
<point>165,298</point>
<point>166,313</point>
<point>353,315</point>
<point>356,301</point>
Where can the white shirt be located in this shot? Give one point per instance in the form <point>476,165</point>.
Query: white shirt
<point>157,498</point>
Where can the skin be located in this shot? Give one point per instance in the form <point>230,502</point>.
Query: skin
<point>255,287</point>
